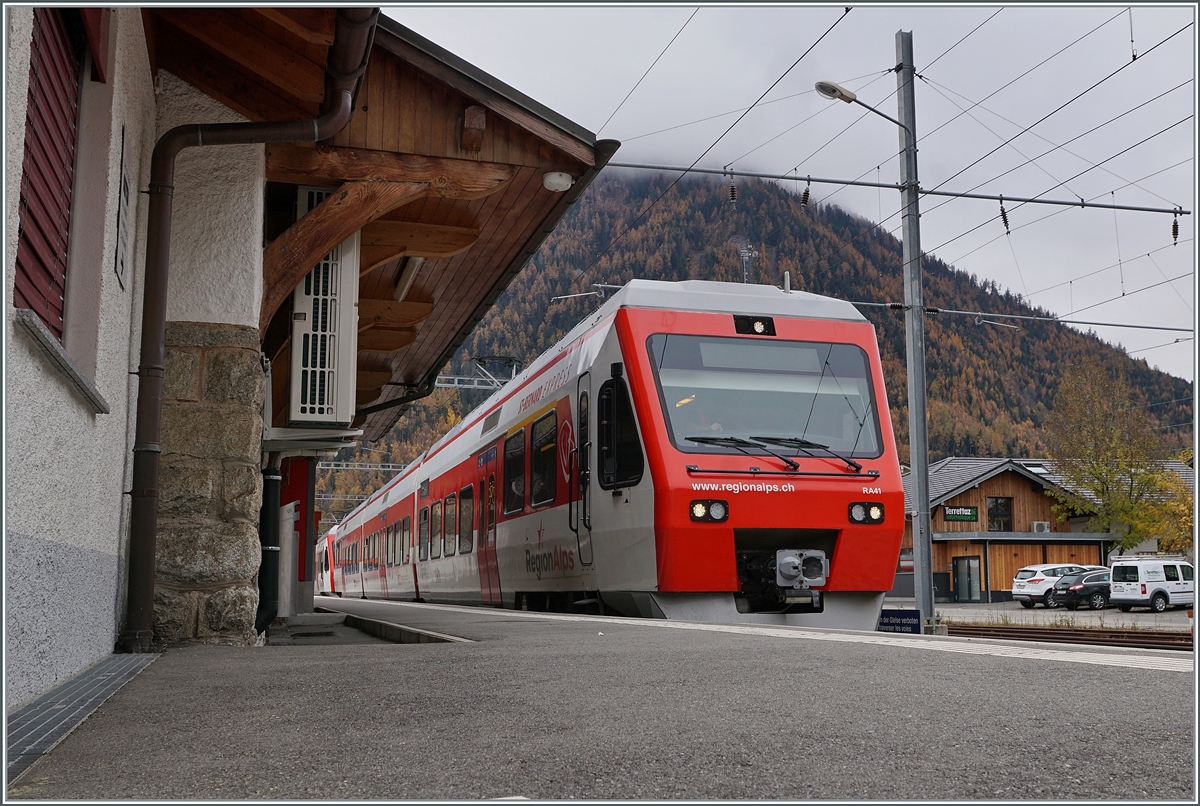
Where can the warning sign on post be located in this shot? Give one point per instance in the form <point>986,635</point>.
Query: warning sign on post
<point>908,621</point>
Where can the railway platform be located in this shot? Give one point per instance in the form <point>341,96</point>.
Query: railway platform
<point>505,704</point>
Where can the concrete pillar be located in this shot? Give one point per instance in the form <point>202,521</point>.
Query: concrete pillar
<point>211,488</point>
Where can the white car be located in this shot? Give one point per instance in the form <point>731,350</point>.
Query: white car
<point>1035,583</point>
<point>1154,582</point>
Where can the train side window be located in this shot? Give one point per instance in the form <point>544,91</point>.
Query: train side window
<point>466,515</point>
<point>435,530</point>
<point>543,460</point>
<point>451,524</point>
<point>620,459</point>
<point>514,473</point>
<point>406,539</point>
<point>423,536</point>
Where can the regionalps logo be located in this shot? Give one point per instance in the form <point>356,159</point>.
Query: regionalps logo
<point>545,562</point>
<point>566,446</point>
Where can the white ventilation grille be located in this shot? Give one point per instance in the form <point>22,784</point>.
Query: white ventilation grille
<point>324,331</point>
<point>1041,527</point>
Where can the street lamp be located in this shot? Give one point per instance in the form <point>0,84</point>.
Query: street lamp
<point>914,318</point>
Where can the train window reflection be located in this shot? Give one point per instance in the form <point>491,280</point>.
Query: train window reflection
<point>514,473</point>
<point>620,460</point>
<point>451,524</point>
<point>423,535</point>
<point>466,514</point>
<point>737,387</point>
<point>406,539</point>
<point>435,530</point>
<point>543,460</point>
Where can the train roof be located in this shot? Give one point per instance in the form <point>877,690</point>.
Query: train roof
<point>745,298</point>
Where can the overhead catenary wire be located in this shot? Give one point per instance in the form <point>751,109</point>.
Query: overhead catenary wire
<point>1059,108</point>
<point>651,205</point>
<point>1081,202</point>
<point>959,42</point>
<point>1095,272</point>
<point>648,69</point>
<point>899,306</point>
<point>936,87</point>
<point>741,109</point>
<point>1027,72</point>
<point>1130,294</point>
<point>825,108</point>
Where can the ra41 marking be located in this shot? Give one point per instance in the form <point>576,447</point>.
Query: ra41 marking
<point>872,491</point>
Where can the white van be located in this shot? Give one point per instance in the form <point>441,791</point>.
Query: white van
<point>1154,582</point>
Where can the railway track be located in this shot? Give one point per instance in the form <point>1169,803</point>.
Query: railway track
<point>1136,639</point>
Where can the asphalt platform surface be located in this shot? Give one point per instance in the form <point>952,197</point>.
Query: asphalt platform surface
<point>558,707</point>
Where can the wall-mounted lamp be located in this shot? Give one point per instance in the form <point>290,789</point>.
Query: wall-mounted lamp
<point>557,181</point>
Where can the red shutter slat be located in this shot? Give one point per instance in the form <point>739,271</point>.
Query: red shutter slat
<point>47,170</point>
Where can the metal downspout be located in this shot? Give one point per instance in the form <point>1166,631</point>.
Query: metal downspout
<point>268,538</point>
<point>347,62</point>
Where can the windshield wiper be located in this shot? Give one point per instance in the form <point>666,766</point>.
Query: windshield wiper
<point>805,445</point>
<point>740,443</point>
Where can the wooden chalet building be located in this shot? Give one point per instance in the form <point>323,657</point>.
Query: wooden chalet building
<point>991,517</point>
<point>174,176</point>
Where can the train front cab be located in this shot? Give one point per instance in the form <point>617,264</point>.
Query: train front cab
<point>788,507</point>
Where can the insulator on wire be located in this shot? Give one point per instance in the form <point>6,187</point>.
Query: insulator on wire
<point>1175,230</point>
<point>732,192</point>
<point>1004,217</point>
<point>804,196</point>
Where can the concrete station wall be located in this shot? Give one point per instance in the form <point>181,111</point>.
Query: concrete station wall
<point>67,467</point>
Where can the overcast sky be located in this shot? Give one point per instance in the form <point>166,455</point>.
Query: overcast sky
<point>1081,264</point>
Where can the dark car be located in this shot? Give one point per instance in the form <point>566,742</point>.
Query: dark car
<point>1090,589</point>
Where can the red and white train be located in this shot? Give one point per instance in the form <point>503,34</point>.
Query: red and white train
<point>693,450</point>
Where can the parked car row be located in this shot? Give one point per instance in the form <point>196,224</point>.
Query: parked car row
<point>1153,582</point>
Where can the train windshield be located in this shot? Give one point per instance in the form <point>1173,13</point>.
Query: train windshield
<point>762,396</point>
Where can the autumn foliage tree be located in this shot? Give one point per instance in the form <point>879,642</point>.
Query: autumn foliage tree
<point>1108,454</point>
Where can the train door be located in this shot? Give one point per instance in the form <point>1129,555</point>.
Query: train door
<point>581,519</point>
<point>489,571</point>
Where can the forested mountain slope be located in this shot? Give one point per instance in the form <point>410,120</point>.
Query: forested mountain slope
<point>989,388</point>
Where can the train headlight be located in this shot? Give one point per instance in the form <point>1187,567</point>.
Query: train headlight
<point>709,511</point>
<point>866,512</point>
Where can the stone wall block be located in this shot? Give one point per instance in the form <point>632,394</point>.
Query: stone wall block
<point>211,431</point>
<point>242,492</point>
<point>228,614</point>
<point>181,377</point>
<point>175,614</point>
<point>211,334</point>
<point>234,376</point>
<point>188,486</point>
<point>199,553</point>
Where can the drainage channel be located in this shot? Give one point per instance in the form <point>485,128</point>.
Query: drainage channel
<point>34,729</point>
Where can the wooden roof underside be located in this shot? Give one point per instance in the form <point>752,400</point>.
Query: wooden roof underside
<point>441,168</point>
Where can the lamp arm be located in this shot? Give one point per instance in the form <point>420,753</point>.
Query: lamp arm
<point>888,117</point>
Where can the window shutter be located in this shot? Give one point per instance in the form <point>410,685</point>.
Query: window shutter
<point>46,171</point>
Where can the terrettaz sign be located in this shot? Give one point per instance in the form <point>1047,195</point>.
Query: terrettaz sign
<point>970,514</point>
